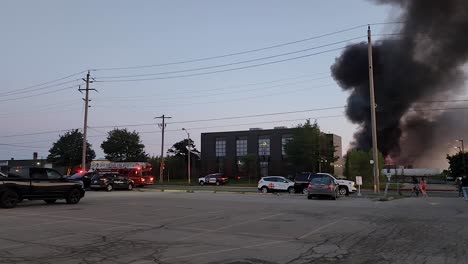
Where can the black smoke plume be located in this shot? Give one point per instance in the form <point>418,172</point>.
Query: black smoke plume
<point>422,63</point>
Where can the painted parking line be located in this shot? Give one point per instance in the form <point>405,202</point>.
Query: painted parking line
<point>253,246</point>
<point>229,226</point>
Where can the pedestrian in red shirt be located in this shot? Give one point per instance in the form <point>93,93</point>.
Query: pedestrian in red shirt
<point>423,187</point>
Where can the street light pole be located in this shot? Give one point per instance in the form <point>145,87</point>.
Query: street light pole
<point>189,149</point>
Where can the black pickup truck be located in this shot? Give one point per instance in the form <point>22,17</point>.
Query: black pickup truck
<point>35,183</point>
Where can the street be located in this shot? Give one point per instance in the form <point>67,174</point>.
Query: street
<point>168,227</point>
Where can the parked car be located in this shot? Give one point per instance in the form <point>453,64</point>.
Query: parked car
<point>36,183</point>
<point>275,183</point>
<point>215,178</point>
<point>84,177</point>
<point>323,185</point>
<point>111,181</point>
<point>302,180</point>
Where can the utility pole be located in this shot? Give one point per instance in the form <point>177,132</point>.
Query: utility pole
<point>161,166</point>
<point>375,150</point>
<point>85,125</point>
<point>189,149</point>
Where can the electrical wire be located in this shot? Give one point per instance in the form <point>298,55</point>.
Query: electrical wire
<point>34,95</point>
<point>226,70</point>
<point>232,63</point>
<point>225,118</point>
<point>37,85</point>
<point>231,54</point>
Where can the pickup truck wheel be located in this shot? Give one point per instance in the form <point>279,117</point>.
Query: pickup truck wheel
<point>291,190</point>
<point>8,199</point>
<point>50,201</point>
<point>73,197</point>
<point>343,191</point>
<point>202,182</point>
<point>109,188</point>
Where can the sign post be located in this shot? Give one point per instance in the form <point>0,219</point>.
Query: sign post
<point>359,183</point>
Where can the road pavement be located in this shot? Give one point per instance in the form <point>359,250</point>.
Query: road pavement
<point>169,227</point>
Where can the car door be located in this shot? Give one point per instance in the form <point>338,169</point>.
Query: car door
<point>272,183</point>
<point>282,183</point>
<point>58,185</point>
<point>40,185</point>
<point>119,181</point>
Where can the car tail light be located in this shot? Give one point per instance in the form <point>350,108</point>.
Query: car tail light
<point>330,187</point>
<point>142,179</point>
<point>309,187</point>
<point>151,179</point>
<point>260,181</point>
<point>223,179</point>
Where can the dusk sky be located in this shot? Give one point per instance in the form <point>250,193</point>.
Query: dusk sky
<point>46,40</point>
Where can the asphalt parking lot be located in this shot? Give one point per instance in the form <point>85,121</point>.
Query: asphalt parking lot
<point>166,227</point>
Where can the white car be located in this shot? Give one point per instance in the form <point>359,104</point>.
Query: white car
<point>275,183</point>
<point>345,187</point>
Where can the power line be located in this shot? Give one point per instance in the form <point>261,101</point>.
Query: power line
<point>216,94</point>
<point>38,133</point>
<point>34,95</point>
<point>231,54</point>
<point>41,84</point>
<point>38,89</point>
<point>225,118</point>
<point>230,64</point>
<point>229,87</point>
<point>226,70</point>
<point>21,146</point>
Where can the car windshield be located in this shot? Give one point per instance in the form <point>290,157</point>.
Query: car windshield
<point>321,180</point>
<point>97,177</point>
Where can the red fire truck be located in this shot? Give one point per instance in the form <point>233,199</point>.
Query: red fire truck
<point>139,172</point>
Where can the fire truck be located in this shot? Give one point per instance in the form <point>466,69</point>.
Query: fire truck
<point>139,172</point>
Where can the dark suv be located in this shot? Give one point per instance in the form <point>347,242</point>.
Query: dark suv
<point>302,180</point>
<point>36,183</point>
<point>215,178</point>
<point>111,181</point>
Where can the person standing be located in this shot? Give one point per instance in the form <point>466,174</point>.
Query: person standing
<point>423,187</point>
<point>464,182</point>
<point>459,186</point>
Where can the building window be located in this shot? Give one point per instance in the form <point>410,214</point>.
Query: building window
<point>264,146</point>
<point>284,140</point>
<point>220,147</point>
<point>241,147</point>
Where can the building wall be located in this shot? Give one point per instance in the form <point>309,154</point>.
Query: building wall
<point>276,162</point>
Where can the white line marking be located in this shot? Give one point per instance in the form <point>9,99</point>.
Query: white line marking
<point>318,229</point>
<point>229,226</point>
<point>253,246</point>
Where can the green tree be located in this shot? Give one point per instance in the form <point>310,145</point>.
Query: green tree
<point>122,145</point>
<point>180,150</point>
<point>67,150</point>
<point>358,164</point>
<point>456,164</point>
<point>309,149</point>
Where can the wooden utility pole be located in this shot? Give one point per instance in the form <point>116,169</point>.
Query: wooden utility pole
<point>85,125</point>
<point>375,150</point>
<point>161,166</point>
